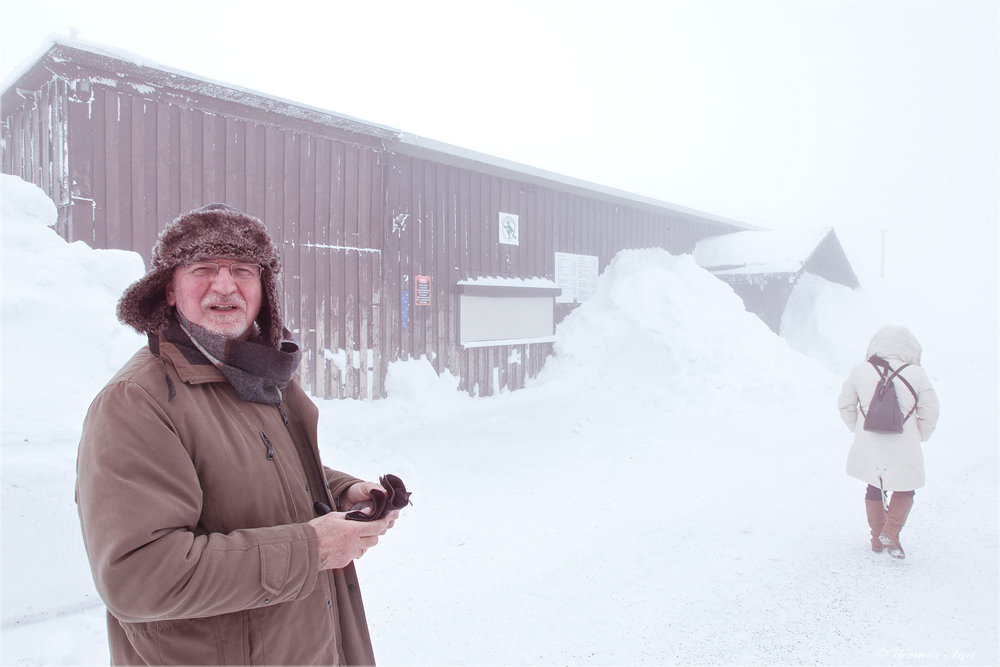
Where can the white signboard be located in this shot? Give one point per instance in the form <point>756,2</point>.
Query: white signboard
<point>577,276</point>
<point>508,228</point>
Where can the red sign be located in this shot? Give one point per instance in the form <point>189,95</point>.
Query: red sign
<point>423,291</point>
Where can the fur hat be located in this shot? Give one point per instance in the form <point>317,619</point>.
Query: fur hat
<point>216,230</point>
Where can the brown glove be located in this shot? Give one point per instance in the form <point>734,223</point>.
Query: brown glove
<point>395,497</point>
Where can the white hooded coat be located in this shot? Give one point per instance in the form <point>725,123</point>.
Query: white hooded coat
<point>894,462</point>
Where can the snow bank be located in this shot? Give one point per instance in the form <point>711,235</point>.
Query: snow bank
<point>660,322</point>
<point>416,379</point>
<point>831,323</point>
<point>61,343</point>
<point>58,318</point>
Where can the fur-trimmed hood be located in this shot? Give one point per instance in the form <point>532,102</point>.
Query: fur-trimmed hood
<point>216,230</point>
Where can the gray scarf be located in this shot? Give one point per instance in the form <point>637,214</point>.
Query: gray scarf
<point>256,371</point>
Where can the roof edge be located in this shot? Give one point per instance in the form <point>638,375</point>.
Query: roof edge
<point>408,141</point>
<point>392,138</point>
<point>53,42</point>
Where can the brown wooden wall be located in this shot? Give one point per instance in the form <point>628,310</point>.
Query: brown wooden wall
<point>354,220</point>
<point>35,142</point>
<point>442,222</point>
<point>764,295</point>
<point>135,163</point>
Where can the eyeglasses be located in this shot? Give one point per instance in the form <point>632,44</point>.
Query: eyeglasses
<point>209,270</point>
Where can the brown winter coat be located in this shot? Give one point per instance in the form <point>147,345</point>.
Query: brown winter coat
<point>197,536</point>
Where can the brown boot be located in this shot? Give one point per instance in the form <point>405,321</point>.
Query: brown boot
<point>899,509</point>
<point>876,519</point>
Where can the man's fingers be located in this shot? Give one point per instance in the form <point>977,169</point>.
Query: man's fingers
<point>373,527</point>
<point>361,527</point>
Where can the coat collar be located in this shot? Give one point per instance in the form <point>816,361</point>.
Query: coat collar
<point>187,372</point>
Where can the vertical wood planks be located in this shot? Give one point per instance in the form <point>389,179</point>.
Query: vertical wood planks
<point>305,252</point>
<point>81,171</point>
<point>364,288</point>
<point>320,286</point>
<point>351,267</point>
<point>99,161</point>
<point>377,241</point>
<point>338,290</point>
<point>354,224</point>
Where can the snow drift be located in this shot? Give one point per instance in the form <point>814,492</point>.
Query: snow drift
<point>661,323</point>
<point>60,335</point>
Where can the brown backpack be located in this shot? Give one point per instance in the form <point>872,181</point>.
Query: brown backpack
<point>884,414</point>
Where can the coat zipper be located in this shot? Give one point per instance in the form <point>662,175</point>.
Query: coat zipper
<point>311,466</point>
<point>289,499</point>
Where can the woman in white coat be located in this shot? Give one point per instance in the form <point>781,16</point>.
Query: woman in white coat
<point>889,461</point>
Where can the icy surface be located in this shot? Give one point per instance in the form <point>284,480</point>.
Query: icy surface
<point>669,490</point>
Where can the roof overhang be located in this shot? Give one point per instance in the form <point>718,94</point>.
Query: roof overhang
<point>777,253</point>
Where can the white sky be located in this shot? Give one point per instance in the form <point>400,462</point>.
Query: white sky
<point>864,116</point>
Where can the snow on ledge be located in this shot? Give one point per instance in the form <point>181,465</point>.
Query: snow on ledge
<point>508,341</point>
<point>492,281</point>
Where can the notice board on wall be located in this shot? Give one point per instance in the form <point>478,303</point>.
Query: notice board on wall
<point>577,276</point>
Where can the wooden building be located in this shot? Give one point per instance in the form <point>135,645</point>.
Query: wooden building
<point>384,235</point>
<point>763,266</point>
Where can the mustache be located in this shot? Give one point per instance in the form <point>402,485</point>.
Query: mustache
<point>220,300</point>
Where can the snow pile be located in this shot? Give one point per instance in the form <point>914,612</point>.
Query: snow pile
<point>660,320</point>
<point>415,379</point>
<point>61,344</point>
<point>58,309</point>
<point>830,322</point>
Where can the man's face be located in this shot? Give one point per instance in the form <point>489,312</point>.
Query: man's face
<point>218,303</point>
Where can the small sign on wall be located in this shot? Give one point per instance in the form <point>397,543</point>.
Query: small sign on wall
<point>508,228</point>
<point>423,291</point>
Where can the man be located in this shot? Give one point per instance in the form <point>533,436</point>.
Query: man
<point>203,502</point>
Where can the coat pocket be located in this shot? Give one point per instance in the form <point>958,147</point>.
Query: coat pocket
<point>216,640</point>
<point>275,560</point>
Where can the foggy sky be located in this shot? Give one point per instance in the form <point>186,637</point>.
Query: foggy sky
<point>863,116</point>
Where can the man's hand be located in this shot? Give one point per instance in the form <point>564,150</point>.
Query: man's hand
<point>360,492</point>
<point>341,541</point>
<point>357,493</point>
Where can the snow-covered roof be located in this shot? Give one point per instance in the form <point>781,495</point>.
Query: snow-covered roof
<point>186,85</point>
<point>126,66</point>
<point>779,251</point>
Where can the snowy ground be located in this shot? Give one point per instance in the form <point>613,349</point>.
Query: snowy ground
<point>670,489</point>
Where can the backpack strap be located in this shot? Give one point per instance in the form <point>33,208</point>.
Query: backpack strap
<point>910,387</point>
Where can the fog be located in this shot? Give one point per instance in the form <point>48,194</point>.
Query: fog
<point>880,120</point>
<point>863,116</point>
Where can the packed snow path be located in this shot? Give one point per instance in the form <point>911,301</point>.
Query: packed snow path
<point>670,490</point>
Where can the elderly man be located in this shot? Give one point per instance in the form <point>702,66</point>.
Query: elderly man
<point>204,506</point>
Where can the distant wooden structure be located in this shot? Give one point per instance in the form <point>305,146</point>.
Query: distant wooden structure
<point>358,210</point>
<point>762,267</point>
